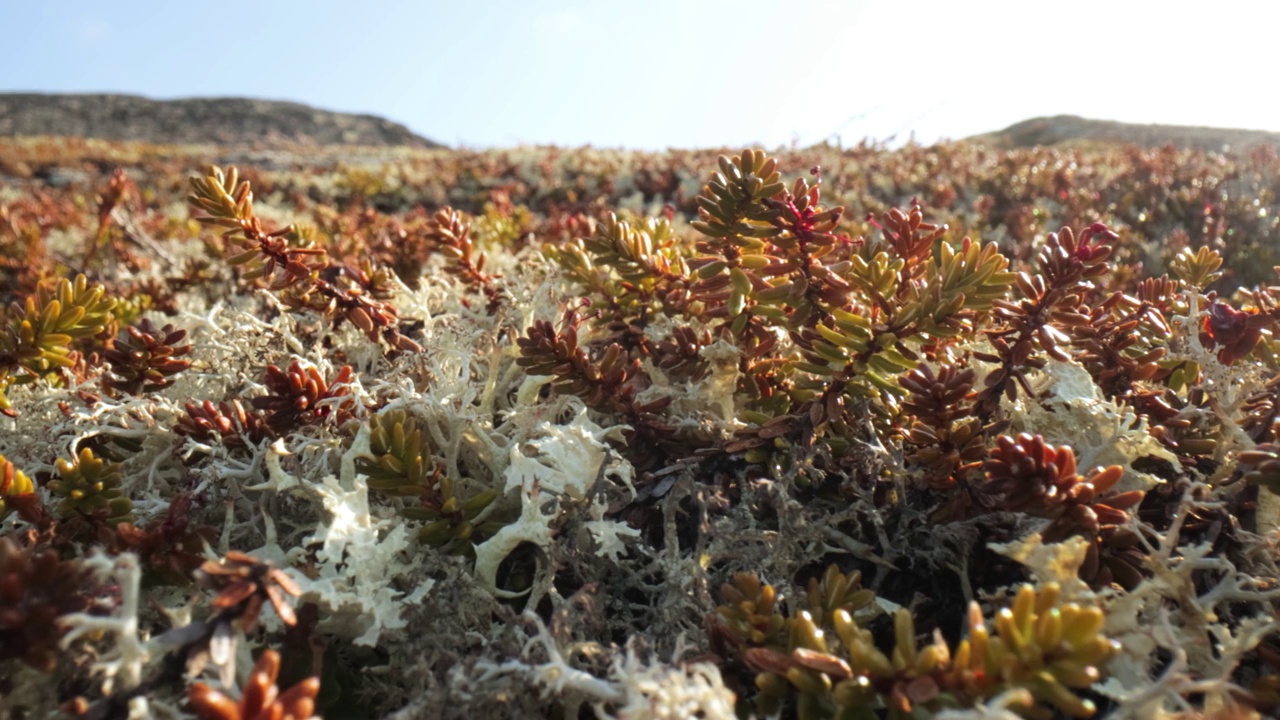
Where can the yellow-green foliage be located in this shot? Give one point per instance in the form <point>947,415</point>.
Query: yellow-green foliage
<point>401,462</point>
<point>88,485</point>
<point>13,483</point>
<point>38,335</point>
<point>835,670</point>
<point>449,518</point>
<point>401,465</point>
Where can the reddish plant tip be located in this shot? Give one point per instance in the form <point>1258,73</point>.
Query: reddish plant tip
<point>261,699</point>
<point>1238,332</point>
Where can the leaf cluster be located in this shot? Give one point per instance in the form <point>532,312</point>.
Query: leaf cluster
<point>14,486</point>
<point>90,486</point>
<point>401,465</point>
<point>821,663</point>
<point>37,587</point>
<point>38,337</point>
<point>291,262</point>
<point>144,358</point>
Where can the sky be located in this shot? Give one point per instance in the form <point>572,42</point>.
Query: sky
<point>670,73</point>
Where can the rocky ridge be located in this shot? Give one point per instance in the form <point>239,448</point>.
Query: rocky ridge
<point>218,121</point>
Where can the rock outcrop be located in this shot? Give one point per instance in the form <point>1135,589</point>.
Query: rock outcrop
<point>221,121</point>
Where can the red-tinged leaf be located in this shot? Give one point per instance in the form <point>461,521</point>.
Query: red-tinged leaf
<point>213,705</point>
<point>1124,501</point>
<point>1104,480</point>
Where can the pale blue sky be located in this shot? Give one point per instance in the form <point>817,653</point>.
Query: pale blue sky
<point>668,73</point>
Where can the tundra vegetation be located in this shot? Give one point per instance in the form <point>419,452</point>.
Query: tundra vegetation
<point>830,432</point>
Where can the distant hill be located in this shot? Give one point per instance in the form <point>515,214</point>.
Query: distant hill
<point>221,121</point>
<point>1074,129</point>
